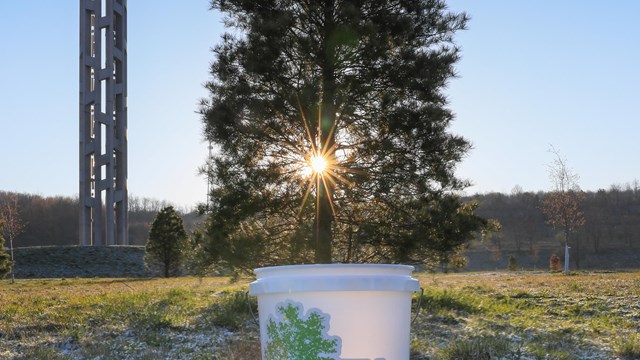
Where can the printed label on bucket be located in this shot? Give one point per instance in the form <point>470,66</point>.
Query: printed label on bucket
<point>294,335</point>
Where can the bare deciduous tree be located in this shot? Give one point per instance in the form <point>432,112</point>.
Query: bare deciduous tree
<point>13,225</point>
<point>563,204</point>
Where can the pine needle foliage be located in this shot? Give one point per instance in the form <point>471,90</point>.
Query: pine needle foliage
<point>360,83</point>
<point>5,259</point>
<point>167,241</point>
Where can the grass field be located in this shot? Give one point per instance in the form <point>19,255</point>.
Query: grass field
<point>472,316</point>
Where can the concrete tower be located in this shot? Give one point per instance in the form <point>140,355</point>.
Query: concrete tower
<point>103,122</point>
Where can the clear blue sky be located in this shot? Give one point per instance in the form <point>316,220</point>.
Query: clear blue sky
<point>533,73</point>
<point>543,72</point>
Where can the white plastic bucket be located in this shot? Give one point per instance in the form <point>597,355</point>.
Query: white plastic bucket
<point>336,311</point>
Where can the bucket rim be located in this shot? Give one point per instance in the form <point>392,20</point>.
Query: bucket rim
<point>258,271</point>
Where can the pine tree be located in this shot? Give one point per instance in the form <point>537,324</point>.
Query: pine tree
<point>356,84</point>
<point>167,240</point>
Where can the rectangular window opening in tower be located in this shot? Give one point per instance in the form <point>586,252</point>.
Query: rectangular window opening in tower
<point>91,75</point>
<point>103,48</point>
<point>117,31</point>
<point>92,29</point>
<point>103,96</point>
<point>117,71</point>
<point>92,121</point>
<point>103,140</point>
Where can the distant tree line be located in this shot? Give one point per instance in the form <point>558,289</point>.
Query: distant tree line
<point>53,220</point>
<point>612,222</point>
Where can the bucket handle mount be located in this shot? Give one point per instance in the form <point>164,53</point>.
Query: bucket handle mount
<point>418,306</point>
<point>253,316</point>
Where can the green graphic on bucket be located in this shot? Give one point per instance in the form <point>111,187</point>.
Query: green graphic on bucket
<point>292,335</point>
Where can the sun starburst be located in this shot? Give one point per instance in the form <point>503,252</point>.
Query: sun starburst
<point>318,164</point>
<point>321,166</point>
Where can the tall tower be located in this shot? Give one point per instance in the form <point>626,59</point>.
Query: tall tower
<point>103,122</point>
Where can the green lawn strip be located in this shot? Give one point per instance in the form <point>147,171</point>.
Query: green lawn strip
<point>131,317</point>
<point>491,316</point>
<point>561,322</point>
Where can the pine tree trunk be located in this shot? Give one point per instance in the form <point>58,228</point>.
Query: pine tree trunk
<point>324,236</point>
<point>327,140</point>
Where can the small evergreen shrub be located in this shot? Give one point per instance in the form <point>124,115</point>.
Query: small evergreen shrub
<point>165,249</point>
<point>5,259</point>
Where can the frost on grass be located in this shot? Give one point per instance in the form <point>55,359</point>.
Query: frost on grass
<point>128,344</point>
<point>528,317</point>
<point>581,317</point>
